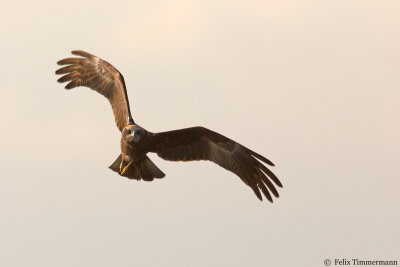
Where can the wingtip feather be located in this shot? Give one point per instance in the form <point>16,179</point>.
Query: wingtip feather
<point>264,189</point>
<point>270,174</point>
<point>260,157</point>
<point>81,53</point>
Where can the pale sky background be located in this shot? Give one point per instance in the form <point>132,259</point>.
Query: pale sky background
<point>312,85</point>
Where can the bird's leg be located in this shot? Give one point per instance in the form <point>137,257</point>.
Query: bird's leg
<point>122,168</point>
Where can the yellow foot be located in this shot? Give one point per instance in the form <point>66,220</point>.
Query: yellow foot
<point>122,169</point>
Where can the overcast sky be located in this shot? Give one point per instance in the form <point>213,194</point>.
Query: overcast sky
<point>312,85</point>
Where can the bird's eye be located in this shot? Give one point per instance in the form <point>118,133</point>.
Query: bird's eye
<point>128,131</point>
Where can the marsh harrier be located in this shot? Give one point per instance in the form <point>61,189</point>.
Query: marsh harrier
<point>196,143</point>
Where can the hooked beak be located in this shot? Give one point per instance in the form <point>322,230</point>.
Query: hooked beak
<point>134,137</point>
<point>130,137</point>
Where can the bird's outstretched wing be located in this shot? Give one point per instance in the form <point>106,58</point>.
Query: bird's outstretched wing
<point>199,143</point>
<point>99,75</point>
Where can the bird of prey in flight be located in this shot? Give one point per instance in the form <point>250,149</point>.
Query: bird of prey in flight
<point>196,143</point>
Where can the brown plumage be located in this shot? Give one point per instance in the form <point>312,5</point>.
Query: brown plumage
<point>101,76</point>
<point>196,143</point>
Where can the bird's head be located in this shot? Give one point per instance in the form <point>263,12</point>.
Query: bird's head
<point>133,133</point>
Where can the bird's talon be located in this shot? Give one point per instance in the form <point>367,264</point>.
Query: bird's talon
<point>121,167</point>
<point>124,169</point>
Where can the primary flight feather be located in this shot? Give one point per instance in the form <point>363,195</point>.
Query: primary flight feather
<point>196,143</point>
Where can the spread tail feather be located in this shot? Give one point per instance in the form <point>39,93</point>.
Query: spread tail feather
<point>144,169</point>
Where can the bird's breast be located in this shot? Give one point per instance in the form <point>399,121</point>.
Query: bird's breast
<point>132,150</point>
